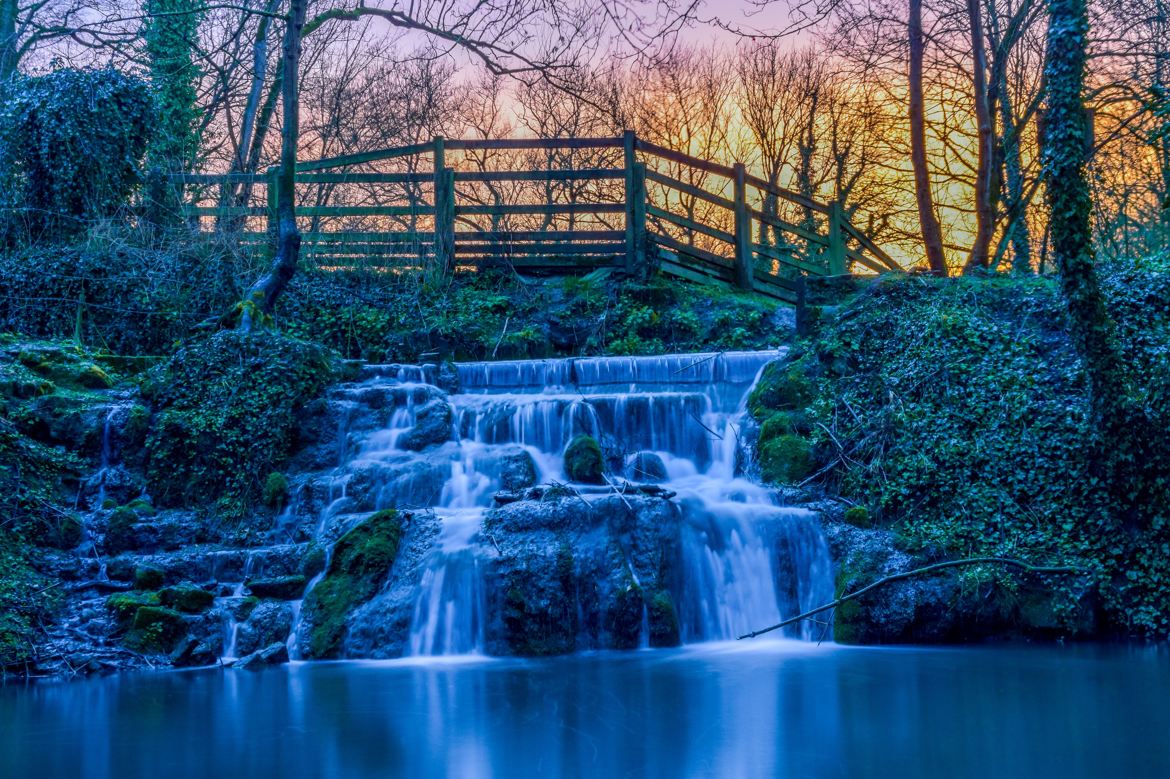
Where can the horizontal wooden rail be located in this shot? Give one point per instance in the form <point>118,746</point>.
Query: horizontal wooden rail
<point>562,218</point>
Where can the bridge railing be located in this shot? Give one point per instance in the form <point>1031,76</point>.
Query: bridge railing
<point>568,205</point>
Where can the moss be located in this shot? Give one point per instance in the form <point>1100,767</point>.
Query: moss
<point>275,490</point>
<point>91,376</point>
<point>141,507</point>
<point>124,605</point>
<point>623,616</point>
<point>156,630</point>
<point>148,578</point>
<point>186,598</point>
<point>848,616</point>
<point>783,386</point>
<point>120,530</point>
<point>785,459</point>
<point>226,416</point>
<point>664,629</point>
<point>858,516</point>
<point>362,559</point>
<point>313,562</point>
<point>279,587</point>
<point>583,460</point>
<point>109,504</point>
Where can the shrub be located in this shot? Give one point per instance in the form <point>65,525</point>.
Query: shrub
<point>225,416</point>
<point>71,147</point>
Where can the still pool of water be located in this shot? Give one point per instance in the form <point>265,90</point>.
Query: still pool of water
<point>782,709</point>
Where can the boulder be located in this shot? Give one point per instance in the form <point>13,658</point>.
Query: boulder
<point>646,467</point>
<point>583,460</point>
<point>432,426</point>
<point>268,624</point>
<point>517,471</point>
<point>274,654</point>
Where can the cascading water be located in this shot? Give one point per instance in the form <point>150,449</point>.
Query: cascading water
<point>683,412</point>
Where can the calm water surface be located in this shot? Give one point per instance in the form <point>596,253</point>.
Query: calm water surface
<point>771,710</point>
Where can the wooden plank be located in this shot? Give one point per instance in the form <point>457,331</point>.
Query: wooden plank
<point>370,237</point>
<point>364,157</point>
<point>788,227</point>
<point>702,194</point>
<point>218,178</point>
<point>766,285</point>
<point>772,278</point>
<point>364,178</point>
<point>668,265</point>
<point>836,240</point>
<point>480,144</point>
<point>541,209</point>
<point>685,159</point>
<point>536,235</point>
<point>687,224</point>
<point>326,211</point>
<point>872,247</point>
<point>225,211</point>
<point>787,194</point>
<point>582,174</point>
<point>868,262</point>
<point>701,255</point>
<point>551,248</point>
<point>772,253</point>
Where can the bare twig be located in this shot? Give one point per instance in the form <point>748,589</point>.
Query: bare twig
<point>1061,569</point>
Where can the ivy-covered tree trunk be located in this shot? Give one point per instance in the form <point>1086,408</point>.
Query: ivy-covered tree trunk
<point>931,230</point>
<point>264,293</point>
<point>1130,443</point>
<point>9,39</point>
<point>170,36</point>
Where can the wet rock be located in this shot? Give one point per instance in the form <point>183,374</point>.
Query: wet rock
<point>186,598</point>
<point>646,467</point>
<point>517,471</point>
<point>280,588</point>
<point>156,630</point>
<point>432,426</point>
<point>269,623</point>
<point>275,654</point>
<point>193,652</point>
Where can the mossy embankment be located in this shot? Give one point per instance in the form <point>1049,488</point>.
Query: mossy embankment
<point>952,419</point>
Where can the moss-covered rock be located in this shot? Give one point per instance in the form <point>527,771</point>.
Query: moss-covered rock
<point>148,578</point>
<point>120,535</point>
<point>646,467</point>
<point>275,490</point>
<point>361,561</point>
<point>785,459</point>
<point>187,598</point>
<point>783,386</point>
<point>156,630</point>
<point>226,416</point>
<point>313,562</point>
<point>664,629</point>
<point>583,460</point>
<point>124,605</point>
<point>278,587</point>
<point>858,516</point>
<point>623,616</point>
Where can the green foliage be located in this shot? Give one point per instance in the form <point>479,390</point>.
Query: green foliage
<point>583,460</point>
<point>25,599</point>
<point>275,490</point>
<point>155,630</point>
<point>170,35</point>
<point>71,144</point>
<point>147,578</point>
<point>361,561</point>
<point>784,459</point>
<point>958,412</point>
<point>123,606</point>
<point>858,516</point>
<point>225,415</point>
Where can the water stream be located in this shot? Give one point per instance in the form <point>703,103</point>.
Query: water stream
<point>677,414</point>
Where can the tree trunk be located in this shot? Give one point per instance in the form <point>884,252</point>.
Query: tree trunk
<point>931,230</point>
<point>1017,221</point>
<point>9,39</point>
<point>263,295</point>
<point>984,218</point>
<point>1131,444</point>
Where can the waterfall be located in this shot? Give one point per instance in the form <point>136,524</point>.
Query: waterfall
<point>747,561</point>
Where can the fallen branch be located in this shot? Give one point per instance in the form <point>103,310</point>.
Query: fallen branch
<point>1066,569</point>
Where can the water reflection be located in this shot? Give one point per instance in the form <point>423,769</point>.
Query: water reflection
<point>784,709</point>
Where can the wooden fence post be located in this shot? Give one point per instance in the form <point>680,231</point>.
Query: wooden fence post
<point>636,241</point>
<point>273,189</point>
<point>635,253</point>
<point>836,239</point>
<point>744,277</point>
<point>444,213</point>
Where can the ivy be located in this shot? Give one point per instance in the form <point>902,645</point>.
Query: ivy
<point>71,148</point>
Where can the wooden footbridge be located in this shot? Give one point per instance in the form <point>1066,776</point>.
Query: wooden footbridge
<point>548,206</point>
